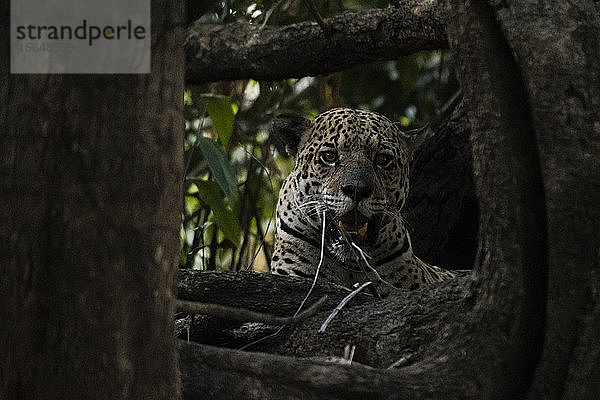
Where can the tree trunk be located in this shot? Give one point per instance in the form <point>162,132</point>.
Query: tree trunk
<point>561,75</point>
<point>512,259</point>
<point>90,198</point>
<point>526,324</point>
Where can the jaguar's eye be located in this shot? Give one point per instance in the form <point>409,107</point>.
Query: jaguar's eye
<point>383,159</point>
<point>329,156</point>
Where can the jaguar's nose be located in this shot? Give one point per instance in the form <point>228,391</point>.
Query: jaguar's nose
<point>357,189</point>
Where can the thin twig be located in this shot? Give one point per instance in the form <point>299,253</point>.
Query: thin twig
<point>339,307</point>
<point>349,353</point>
<point>245,315</point>
<point>402,361</point>
<point>364,258</point>
<point>268,14</point>
<point>325,27</point>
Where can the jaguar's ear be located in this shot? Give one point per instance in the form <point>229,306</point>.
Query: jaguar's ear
<point>286,131</point>
<point>416,137</point>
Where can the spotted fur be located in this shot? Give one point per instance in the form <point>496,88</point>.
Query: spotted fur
<point>353,166</point>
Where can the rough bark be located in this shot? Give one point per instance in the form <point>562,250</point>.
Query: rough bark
<point>265,293</point>
<point>89,197</point>
<point>257,291</point>
<point>558,51</point>
<point>512,243</point>
<point>241,51</point>
<point>406,326</point>
<point>296,378</point>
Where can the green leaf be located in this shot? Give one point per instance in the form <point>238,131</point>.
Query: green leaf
<point>226,220</point>
<point>219,166</point>
<point>221,113</point>
<point>191,204</point>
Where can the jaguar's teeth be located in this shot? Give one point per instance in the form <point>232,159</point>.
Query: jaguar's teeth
<point>341,228</point>
<point>362,231</point>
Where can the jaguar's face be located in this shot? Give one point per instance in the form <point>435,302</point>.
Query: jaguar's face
<point>352,165</point>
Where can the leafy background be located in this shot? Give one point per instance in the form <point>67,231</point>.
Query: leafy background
<point>233,169</point>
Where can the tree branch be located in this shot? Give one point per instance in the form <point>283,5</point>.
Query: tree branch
<point>244,315</point>
<point>358,323</point>
<point>417,325</point>
<point>240,50</point>
<point>207,372</point>
<point>216,287</point>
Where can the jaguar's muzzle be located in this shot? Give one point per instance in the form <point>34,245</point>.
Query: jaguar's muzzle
<point>352,227</point>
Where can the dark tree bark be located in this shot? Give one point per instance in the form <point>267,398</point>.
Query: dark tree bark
<point>376,336</point>
<point>512,259</point>
<point>563,88</point>
<point>90,199</point>
<point>526,324</point>
<point>441,209</point>
<point>240,50</point>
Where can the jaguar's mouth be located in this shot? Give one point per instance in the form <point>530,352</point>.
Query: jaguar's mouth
<point>352,224</point>
<point>352,227</point>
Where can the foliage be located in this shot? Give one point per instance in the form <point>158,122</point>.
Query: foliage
<point>234,169</point>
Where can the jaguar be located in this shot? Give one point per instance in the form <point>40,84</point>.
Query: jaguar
<point>339,210</point>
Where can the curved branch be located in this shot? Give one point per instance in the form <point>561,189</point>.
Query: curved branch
<point>240,51</point>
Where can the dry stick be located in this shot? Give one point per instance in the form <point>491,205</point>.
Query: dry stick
<point>326,28</point>
<point>349,353</point>
<point>268,14</point>
<point>307,295</point>
<point>339,307</point>
<point>362,254</point>
<point>401,362</point>
<point>245,315</point>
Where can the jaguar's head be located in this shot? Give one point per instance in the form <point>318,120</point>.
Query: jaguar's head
<point>353,165</point>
